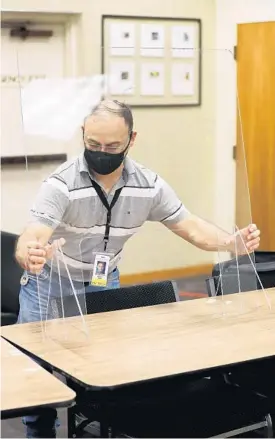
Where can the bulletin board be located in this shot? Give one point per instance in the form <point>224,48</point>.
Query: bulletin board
<point>152,61</point>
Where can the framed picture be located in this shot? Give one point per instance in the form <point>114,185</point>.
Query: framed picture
<point>152,61</point>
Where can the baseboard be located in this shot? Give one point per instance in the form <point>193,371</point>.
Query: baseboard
<point>172,273</point>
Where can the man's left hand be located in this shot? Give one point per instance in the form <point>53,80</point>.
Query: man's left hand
<point>244,240</point>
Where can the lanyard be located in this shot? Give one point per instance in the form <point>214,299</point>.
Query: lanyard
<point>109,207</point>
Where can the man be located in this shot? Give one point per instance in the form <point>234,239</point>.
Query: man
<point>100,268</point>
<point>90,207</point>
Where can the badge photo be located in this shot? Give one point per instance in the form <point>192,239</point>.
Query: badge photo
<point>100,271</point>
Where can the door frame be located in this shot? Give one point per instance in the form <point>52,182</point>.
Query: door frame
<point>72,27</point>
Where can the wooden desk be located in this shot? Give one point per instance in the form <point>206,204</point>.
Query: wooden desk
<point>140,344</point>
<point>26,385</point>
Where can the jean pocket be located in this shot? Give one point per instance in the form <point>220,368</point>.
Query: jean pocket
<point>113,279</point>
<point>43,275</point>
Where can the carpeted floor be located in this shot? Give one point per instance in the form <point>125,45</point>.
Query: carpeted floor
<point>192,288</point>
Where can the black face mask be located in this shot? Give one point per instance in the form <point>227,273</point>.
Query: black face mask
<point>104,163</point>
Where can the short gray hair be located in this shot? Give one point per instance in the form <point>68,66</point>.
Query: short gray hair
<point>117,108</point>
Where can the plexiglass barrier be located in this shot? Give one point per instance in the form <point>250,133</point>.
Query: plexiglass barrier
<point>53,109</point>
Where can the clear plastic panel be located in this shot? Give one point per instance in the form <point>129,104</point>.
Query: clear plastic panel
<point>57,115</point>
<point>221,180</point>
<point>66,291</point>
<point>66,306</point>
<point>51,113</point>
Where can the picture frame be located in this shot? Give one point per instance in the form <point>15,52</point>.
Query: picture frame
<point>152,62</point>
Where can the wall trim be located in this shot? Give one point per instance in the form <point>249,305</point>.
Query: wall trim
<point>172,273</point>
<point>32,159</point>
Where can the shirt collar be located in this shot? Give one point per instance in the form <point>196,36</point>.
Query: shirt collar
<point>128,165</point>
<point>83,167</point>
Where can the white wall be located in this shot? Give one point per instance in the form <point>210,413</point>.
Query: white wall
<point>179,144</point>
<point>198,142</point>
<point>229,13</point>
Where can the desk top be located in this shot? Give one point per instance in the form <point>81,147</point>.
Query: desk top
<point>139,344</point>
<point>25,384</point>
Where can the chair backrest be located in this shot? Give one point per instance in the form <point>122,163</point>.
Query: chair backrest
<point>265,267</point>
<point>10,274</point>
<point>120,298</point>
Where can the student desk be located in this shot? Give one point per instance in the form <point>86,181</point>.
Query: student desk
<point>141,344</point>
<point>25,385</point>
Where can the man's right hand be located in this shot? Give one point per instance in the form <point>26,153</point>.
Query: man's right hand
<point>37,255</point>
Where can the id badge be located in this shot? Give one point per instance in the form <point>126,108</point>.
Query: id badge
<point>101,270</point>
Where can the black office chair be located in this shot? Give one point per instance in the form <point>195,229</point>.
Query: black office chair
<point>10,279</point>
<point>117,299</point>
<point>242,275</point>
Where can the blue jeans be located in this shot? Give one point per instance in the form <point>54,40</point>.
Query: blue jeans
<point>42,424</point>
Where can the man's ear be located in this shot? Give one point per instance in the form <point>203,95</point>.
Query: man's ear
<point>82,131</point>
<point>133,138</point>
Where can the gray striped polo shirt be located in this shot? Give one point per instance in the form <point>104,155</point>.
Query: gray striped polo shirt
<point>68,203</point>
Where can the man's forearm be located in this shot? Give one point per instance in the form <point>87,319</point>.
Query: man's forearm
<point>210,237</point>
<point>203,234</point>
<point>21,251</point>
<point>20,255</point>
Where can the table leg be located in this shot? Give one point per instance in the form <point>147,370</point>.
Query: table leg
<point>104,422</point>
<point>71,423</point>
